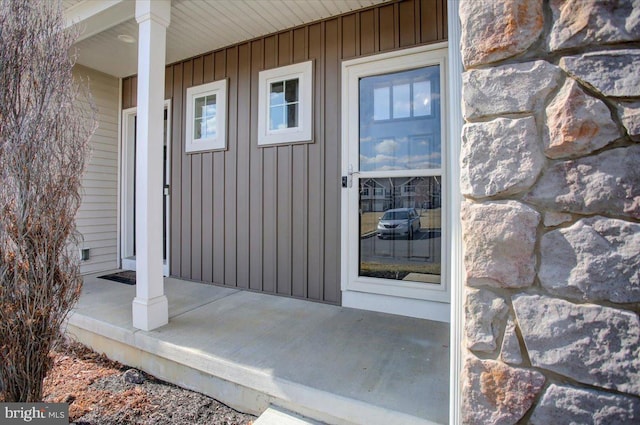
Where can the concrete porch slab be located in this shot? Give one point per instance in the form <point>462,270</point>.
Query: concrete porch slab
<point>249,350</point>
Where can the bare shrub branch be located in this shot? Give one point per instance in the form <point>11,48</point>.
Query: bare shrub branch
<point>44,134</point>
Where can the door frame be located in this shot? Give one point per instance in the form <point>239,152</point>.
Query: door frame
<point>127,206</point>
<point>423,300</point>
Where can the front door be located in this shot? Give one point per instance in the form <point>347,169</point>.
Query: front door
<point>392,219</point>
<point>128,213</point>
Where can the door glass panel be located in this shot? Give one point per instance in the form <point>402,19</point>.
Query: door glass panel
<point>165,183</point>
<point>400,214</point>
<point>400,230</point>
<point>400,120</point>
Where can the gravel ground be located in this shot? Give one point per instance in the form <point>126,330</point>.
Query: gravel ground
<point>103,392</point>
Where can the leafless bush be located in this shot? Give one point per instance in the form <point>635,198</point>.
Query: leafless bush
<point>44,135</point>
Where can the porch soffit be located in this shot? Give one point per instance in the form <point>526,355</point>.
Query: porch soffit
<point>197,26</point>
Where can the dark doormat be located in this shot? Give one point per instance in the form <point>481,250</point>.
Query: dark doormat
<point>127,277</point>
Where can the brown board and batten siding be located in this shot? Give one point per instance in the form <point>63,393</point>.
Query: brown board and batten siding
<point>268,219</point>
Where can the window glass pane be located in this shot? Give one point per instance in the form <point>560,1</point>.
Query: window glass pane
<point>197,106</point>
<point>410,143</point>
<point>401,101</point>
<point>422,98</point>
<point>205,113</point>
<point>209,101</point>
<point>277,118</point>
<point>211,122</point>
<point>400,230</point>
<point>197,128</point>
<point>283,106</point>
<point>292,115</point>
<point>291,90</point>
<point>381,100</point>
<point>276,95</point>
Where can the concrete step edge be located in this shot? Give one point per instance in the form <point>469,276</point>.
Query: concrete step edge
<point>275,415</point>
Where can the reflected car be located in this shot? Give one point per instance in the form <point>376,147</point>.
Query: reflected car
<point>399,222</point>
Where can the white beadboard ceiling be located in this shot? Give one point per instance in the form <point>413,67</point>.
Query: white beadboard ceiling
<point>199,26</point>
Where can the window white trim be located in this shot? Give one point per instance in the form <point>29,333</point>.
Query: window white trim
<point>355,288</point>
<point>302,133</point>
<point>218,89</point>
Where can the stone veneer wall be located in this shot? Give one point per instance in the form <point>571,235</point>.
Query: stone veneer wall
<point>551,220</point>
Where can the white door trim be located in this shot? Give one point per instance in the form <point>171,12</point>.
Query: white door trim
<point>128,179</point>
<point>456,265</point>
<point>423,300</point>
<point>128,260</point>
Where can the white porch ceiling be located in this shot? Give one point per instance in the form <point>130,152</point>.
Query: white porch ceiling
<point>197,26</point>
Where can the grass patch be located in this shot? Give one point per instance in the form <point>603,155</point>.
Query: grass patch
<point>397,271</point>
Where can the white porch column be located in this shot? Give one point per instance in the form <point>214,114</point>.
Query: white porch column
<point>150,306</point>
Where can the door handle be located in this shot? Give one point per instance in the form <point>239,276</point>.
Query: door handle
<point>350,174</point>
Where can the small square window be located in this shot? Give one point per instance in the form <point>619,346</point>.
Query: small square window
<point>206,117</point>
<point>285,104</point>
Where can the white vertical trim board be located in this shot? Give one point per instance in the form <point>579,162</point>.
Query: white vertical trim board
<point>127,192</point>
<point>119,203</point>
<point>97,217</point>
<point>456,272</point>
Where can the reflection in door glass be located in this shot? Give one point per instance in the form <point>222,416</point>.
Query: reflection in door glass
<point>400,228</point>
<point>400,121</point>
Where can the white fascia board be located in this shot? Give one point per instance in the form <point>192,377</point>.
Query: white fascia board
<point>95,16</point>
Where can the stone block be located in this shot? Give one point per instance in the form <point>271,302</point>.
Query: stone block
<point>578,23</point>
<point>494,393</point>
<point>596,259</point>
<point>484,312</point>
<point>510,351</point>
<point>613,73</point>
<point>562,404</point>
<point>592,344</point>
<point>629,113</point>
<point>508,89</point>
<point>495,30</point>
<point>607,184</point>
<point>500,157</point>
<point>577,124</point>
<point>499,239</point>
